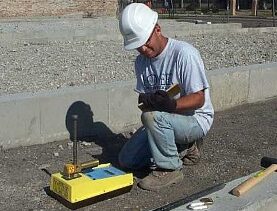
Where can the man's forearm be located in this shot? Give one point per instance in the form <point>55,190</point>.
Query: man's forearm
<point>191,101</point>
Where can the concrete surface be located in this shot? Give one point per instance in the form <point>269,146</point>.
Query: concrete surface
<point>263,196</point>
<point>28,119</point>
<point>42,117</point>
<point>41,30</point>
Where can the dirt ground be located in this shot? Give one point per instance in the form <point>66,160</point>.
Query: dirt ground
<point>239,138</point>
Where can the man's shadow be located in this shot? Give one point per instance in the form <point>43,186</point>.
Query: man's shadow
<point>96,132</point>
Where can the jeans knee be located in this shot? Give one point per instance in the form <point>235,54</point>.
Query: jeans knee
<point>125,160</point>
<point>146,117</point>
<point>149,118</point>
<point>122,160</point>
<point>155,119</point>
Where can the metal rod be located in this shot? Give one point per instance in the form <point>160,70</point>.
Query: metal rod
<point>228,10</point>
<point>273,12</point>
<point>75,117</point>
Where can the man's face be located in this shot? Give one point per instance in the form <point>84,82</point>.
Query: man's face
<point>152,47</point>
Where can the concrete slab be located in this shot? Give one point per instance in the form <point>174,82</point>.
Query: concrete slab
<point>229,87</point>
<point>43,117</point>
<point>20,120</point>
<point>263,196</point>
<point>41,30</point>
<point>46,116</point>
<point>123,106</point>
<point>262,84</point>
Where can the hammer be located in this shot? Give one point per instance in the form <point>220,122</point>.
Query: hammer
<point>269,163</point>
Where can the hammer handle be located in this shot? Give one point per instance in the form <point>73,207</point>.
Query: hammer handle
<point>252,181</point>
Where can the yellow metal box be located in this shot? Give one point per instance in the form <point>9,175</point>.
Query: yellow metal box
<point>92,182</point>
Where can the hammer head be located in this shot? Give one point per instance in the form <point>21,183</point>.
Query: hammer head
<point>267,161</point>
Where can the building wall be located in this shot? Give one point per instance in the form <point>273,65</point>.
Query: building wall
<point>17,8</point>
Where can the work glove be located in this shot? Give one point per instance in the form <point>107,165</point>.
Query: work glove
<point>159,101</point>
<point>163,102</point>
<point>145,101</point>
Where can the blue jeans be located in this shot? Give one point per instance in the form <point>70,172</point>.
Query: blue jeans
<point>157,139</point>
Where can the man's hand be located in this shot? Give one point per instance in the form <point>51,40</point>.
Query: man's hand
<point>163,102</point>
<point>144,101</point>
<point>159,101</point>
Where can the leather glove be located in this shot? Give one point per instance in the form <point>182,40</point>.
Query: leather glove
<point>159,101</point>
<point>146,102</point>
<point>163,102</point>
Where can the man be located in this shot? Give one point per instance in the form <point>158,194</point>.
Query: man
<point>167,122</point>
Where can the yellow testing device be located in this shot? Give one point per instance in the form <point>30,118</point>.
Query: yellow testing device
<point>82,181</point>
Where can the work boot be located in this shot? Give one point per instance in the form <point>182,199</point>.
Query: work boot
<point>191,155</point>
<point>161,178</point>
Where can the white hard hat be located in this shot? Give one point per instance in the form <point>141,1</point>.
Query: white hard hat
<point>136,24</point>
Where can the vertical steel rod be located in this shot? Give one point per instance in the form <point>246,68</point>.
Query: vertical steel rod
<point>273,12</point>
<point>75,117</point>
<point>228,10</point>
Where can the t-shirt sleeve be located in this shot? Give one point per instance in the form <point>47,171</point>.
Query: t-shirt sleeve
<point>139,86</point>
<point>192,71</point>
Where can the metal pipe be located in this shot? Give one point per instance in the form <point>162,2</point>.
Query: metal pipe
<point>75,147</point>
<point>228,10</point>
<point>273,12</point>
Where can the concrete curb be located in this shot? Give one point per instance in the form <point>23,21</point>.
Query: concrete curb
<point>263,196</point>
<point>43,117</point>
<point>101,29</point>
<point>244,84</point>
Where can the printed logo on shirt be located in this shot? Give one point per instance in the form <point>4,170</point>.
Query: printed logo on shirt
<point>153,82</point>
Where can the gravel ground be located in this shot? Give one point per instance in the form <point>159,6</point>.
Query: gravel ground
<point>239,138</point>
<point>32,67</point>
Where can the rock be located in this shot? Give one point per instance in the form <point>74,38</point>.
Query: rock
<point>44,166</point>
<point>70,144</point>
<point>84,143</point>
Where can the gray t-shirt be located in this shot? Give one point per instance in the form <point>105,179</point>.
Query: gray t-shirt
<point>179,63</point>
